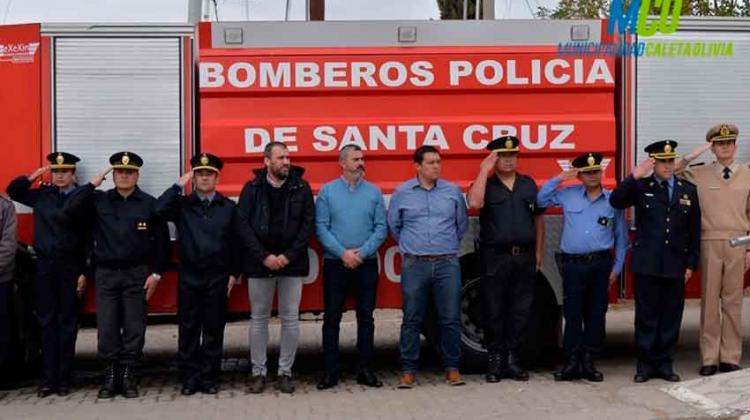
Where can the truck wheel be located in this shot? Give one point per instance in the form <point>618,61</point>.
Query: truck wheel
<point>543,331</point>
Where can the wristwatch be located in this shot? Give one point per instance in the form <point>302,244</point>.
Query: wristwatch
<point>157,276</point>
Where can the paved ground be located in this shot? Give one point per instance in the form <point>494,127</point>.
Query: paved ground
<point>724,396</point>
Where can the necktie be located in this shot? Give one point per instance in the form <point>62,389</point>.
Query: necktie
<point>727,173</point>
<point>665,187</point>
<point>205,203</point>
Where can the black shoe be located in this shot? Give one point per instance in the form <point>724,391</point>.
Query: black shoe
<point>669,375</point>
<point>129,386</point>
<point>328,380</point>
<point>63,390</point>
<point>45,391</point>
<point>368,378</point>
<point>257,384</point>
<point>188,390</point>
<point>494,367</point>
<point>210,389</point>
<point>571,371</point>
<point>285,384</point>
<point>728,367</point>
<point>515,371</point>
<point>588,370</point>
<point>640,378</point>
<point>109,384</point>
<point>708,370</point>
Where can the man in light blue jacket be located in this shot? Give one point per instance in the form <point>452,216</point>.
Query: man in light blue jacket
<point>350,223</point>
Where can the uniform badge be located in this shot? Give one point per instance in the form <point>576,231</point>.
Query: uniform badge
<point>142,226</point>
<point>532,207</point>
<point>685,200</point>
<point>60,159</point>
<point>125,159</point>
<point>724,130</point>
<point>508,144</point>
<point>604,221</point>
<point>204,160</point>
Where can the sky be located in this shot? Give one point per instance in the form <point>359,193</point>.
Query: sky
<point>24,11</point>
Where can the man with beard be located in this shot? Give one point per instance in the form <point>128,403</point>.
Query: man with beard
<point>724,191</point>
<point>350,221</point>
<point>511,238</point>
<point>275,219</point>
<point>665,254</point>
<point>592,228</point>
<point>130,253</point>
<point>209,270</point>
<point>60,242</point>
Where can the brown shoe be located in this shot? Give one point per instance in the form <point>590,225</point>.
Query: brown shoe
<point>453,377</point>
<point>407,381</point>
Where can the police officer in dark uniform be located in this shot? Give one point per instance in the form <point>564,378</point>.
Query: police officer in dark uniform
<point>665,254</point>
<point>130,253</point>
<point>60,242</point>
<point>511,237</point>
<point>210,267</point>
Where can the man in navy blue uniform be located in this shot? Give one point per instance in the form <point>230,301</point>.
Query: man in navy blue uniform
<point>665,254</point>
<point>209,269</point>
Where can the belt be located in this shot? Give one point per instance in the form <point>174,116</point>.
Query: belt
<point>436,257</point>
<point>584,258</point>
<point>513,249</point>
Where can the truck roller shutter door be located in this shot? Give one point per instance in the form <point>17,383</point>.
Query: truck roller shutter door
<point>120,93</point>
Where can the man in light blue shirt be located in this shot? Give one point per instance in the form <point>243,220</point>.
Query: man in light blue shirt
<point>427,216</point>
<point>592,228</point>
<point>350,223</point>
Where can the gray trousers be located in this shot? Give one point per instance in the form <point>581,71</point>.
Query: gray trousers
<point>261,292</point>
<point>121,313</point>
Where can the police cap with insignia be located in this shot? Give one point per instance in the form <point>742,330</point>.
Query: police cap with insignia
<point>62,160</point>
<point>588,162</point>
<point>126,160</point>
<point>505,144</point>
<point>206,161</point>
<point>722,132</point>
<point>663,149</point>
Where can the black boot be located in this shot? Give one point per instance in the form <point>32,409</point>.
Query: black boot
<point>109,385</point>
<point>494,367</point>
<point>588,370</point>
<point>571,370</point>
<point>515,370</point>
<point>129,386</point>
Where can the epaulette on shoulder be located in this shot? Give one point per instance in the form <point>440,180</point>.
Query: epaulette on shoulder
<point>697,164</point>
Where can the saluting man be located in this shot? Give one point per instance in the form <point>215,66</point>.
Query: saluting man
<point>511,237</point>
<point>665,254</point>
<point>60,242</point>
<point>130,253</point>
<point>210,267</point>
<point>591,230</point>
<point>724,191</point>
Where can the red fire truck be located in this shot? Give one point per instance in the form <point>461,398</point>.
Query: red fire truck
<point>168,92</point>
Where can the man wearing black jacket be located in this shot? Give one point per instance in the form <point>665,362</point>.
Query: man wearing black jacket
<point>275,219</point>
<point>665,254</point>
<point>209,270</point>
<point>130,253</point>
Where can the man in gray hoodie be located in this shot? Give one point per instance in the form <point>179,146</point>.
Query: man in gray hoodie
<point>7,265</point>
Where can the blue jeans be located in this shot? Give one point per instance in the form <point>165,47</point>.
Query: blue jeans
<point>443,278</point>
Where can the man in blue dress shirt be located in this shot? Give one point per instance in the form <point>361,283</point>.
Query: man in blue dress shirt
<point>427,216</point>
<point>592,228</point>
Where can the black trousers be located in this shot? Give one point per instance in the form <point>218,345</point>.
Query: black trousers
<point>121,313</point>
<point>6,289</point>
<point>202,306</point>
<point>507,289</point>
<point>57,312</point>
<point>659,303</point>
<point>338,282</point>
<point>585,300</point>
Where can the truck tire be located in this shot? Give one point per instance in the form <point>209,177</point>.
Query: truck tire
<point>541,347</point>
